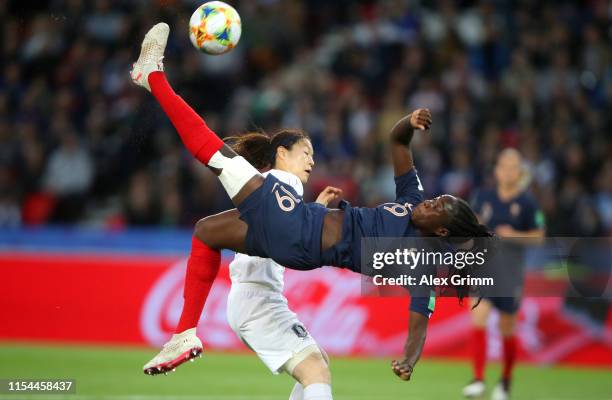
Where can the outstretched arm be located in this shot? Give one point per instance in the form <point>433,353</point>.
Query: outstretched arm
<point>417,332</point>
<point>401,136</point>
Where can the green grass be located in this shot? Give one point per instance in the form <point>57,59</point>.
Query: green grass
<point>116,373</point>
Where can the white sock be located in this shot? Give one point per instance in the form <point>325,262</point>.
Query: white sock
<point>318,391</point>
<point>298,392</point>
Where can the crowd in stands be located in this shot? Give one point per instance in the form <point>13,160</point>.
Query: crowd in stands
<point>80,144</point>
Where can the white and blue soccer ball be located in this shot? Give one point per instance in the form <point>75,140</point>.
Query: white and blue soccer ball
<point>215,28</point>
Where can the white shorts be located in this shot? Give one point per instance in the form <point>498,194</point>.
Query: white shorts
<point>263,321</point>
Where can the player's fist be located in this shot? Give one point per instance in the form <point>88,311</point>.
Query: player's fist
<point>402,369</point>
<point>420,118</point>
<point>328,195</point>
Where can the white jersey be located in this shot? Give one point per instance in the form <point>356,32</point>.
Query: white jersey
<point>263,271</point>
<point>257,310</point>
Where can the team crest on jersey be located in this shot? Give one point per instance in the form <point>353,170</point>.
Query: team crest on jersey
<point>515,209</point>
<point>299,330</point>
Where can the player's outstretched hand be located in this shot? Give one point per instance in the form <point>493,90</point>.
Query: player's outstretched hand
<point>402,369</point>
<point>328,195</point>
<point>421,118</point>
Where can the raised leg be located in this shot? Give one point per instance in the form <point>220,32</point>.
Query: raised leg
<point>239,178</point>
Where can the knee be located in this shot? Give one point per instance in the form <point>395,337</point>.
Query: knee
<point>479,319</point>
<point>480,314</point>
<point>313,369</point>
<point>319,374</point>
<point>507,324</point>
<point>203,231</point>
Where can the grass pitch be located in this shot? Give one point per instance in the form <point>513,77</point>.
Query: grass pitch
<point>116,373</point>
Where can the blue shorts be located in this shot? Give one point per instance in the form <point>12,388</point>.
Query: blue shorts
<point>508,305</point>
<point>281,226</point>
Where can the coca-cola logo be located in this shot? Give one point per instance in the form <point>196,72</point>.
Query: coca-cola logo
<point>163,304</point>
<point>325,300</point>
<point>328,302</point>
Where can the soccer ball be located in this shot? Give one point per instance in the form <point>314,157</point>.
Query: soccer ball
<point>215,28</point>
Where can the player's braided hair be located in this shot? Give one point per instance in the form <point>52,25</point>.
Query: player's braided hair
<point>463,223</point>
<point>259,149</point>
<point>463,226</point>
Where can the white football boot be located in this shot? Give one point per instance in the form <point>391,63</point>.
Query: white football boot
<point>151,55</point>
<point>474,390</point>
<point>182,347</point>
<point>501,391</point>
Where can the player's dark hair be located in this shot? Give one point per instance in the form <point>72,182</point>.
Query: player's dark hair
<point>259,149</point>
<point>463,226</point>
<point>463,222</point>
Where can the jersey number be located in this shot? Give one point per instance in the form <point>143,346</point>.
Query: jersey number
<point>398,210</point>
<point>286,201</point>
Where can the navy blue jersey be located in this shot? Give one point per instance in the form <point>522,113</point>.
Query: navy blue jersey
<point>283,227</point>
<point>521,213</point>
<point>386,220</point>
<point>389,220</point>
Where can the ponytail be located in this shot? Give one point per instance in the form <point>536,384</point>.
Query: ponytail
<point>259,149</point>
<point>254,147</point>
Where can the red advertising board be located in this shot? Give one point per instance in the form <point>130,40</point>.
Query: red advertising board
<point>136,300</point>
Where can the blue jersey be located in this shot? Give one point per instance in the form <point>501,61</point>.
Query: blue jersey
<point>389,220</point>
<point>386,220</point>
<point>521,213</point>
<point>283,227</point>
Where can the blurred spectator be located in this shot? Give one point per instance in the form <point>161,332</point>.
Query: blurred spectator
<point>10,213</point>
<point>531,75</point>
<point>68,176</point>
<point>603,198</point>
<point>141,208</point>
